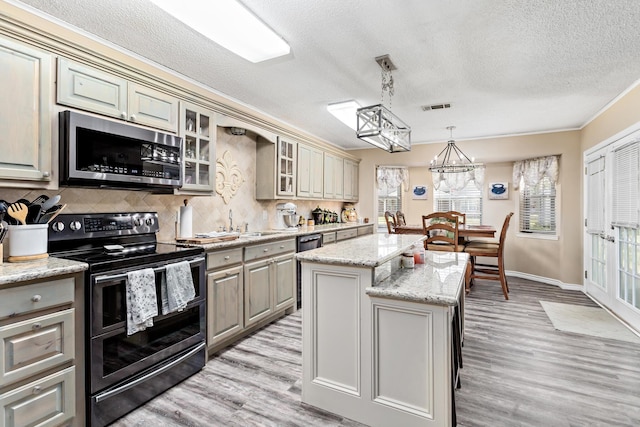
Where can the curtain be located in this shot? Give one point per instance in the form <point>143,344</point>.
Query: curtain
<point>456,181</point>
<point>392,177</point>
<point>533,170</point>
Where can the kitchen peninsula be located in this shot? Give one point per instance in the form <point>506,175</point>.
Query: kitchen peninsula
<point>380,343</point>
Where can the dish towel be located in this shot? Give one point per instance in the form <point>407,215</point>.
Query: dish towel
<point>176,287</point>
<point>142,303</point>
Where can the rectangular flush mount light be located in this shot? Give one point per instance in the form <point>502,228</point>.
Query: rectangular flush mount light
<point>345,112</point>
<point>229,24</point>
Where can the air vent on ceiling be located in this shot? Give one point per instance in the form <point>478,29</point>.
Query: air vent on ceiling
<point>435,107</point>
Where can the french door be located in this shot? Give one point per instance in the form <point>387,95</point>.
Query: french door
<point>612,229</point>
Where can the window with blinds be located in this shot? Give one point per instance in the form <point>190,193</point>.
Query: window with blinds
<point>468,201</point>
<point>595,196</point>
<point>389,199</point>
<point>626,186</point>
<point>538,207</point>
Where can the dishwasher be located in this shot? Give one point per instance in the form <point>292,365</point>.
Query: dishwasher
<point>305,243</point>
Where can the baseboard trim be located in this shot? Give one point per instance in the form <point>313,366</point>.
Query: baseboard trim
<point>547,280</point>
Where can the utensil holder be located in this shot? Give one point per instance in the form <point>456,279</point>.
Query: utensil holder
<point>27,242</point>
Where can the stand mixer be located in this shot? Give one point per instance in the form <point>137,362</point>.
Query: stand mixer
<point>286,217</point>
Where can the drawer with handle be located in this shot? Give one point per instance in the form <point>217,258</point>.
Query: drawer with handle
<point>37,296</point>
<point>49,401</point>
<point>37,344</point>
<point>221,259</point>
<point>346,234</point>
<point>269,249</point>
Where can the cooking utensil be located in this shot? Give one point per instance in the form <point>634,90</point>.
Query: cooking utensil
<point>51,202</point>
<point>51,214</point>
<point>19,212</point>
<point>4,229</point>
<point>33,213</point>
<point>39,200</point>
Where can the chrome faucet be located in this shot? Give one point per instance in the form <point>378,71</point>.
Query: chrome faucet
<point>230,220</point>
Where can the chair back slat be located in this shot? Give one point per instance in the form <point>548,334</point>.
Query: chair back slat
<point>503,233</point>
<point>400,220</point>
<point>391,222</point>
<point>441,228</point>
<point>462,217</point>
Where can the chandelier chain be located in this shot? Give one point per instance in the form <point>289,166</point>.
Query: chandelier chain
<point>387,85</point>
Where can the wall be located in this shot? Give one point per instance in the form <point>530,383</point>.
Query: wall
<point>559,260</point>
<point>210,212</point>
<point>619,116</point>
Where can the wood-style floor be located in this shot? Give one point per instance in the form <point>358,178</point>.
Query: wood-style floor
<point>518,371</point>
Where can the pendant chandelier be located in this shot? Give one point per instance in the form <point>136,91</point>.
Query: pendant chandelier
<point>376,124</point>
<point>452,159</point>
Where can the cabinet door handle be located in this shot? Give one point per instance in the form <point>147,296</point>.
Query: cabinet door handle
<point>133,117</point>
<point>46,174</point>
<point>37,389</point>
<point>36,326</point>
<point>36,298</point>
<point>281,246</point>
<point>123,114</point>
<point>227,258</point>
<point>265,250</point>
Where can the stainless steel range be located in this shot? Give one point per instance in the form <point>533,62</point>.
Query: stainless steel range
<point>124,371</point>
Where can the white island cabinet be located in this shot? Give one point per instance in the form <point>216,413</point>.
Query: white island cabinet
<point>381,343</point>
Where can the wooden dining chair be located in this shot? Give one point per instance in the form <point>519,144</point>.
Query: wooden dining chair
<point>441,229</point>
<point>462,217</point>
<point>391,222</point>
<point>400,220</point>
<point>492,250</point>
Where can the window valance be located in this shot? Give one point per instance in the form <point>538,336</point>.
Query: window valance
<point>533,170</point>
<point>392,176</point>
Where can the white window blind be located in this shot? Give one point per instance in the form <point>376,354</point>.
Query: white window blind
<point>468,201</point>
<point>538,207</point>
<point>389,199</point>
<point>595,196</point>
<point>626,186</point>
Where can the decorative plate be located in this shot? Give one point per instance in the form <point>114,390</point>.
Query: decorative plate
<point>419,191</point>
<point>498,188</point>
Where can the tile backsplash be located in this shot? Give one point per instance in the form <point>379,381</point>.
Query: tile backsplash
<point>209,212</point>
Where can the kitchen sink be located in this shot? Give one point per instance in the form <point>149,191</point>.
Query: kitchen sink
<point>263,233</point>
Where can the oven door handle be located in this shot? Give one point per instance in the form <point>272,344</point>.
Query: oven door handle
<point>155,270</point>
<point>123,388</point>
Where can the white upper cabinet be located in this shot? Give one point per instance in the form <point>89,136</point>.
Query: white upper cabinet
<point>333,176</point>
<point>199,132</point>
<point>25,111</point>
<point>351,173</point>
<point>275,169</point>
<point>89,89</point>
<point>310,172</point>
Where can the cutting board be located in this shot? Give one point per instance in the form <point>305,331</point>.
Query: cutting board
<point>205,240</point>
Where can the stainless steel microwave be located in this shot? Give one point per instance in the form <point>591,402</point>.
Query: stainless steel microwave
<point>96,152</point>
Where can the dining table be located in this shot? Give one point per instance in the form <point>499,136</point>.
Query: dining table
<point>464,230</point>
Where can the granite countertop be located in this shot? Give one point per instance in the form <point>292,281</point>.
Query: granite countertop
<point>440,280</point>
<point>11,272</point>
<point>272,235</point>
<point>371,250</point>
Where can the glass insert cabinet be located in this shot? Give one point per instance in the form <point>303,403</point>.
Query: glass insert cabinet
<point>286,167</point>
<point>198,131</point>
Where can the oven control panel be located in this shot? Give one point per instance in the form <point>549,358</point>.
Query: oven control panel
<point>80,226</point>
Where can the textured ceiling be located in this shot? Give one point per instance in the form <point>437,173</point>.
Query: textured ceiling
<point>506,67</point>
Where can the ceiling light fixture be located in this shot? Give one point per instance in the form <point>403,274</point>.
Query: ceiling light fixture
<point>376,124</point>
<point>231,25</point>
<point>452,159</point>
<point>345,112</point>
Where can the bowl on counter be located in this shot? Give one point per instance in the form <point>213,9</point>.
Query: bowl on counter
<point>291,220</point>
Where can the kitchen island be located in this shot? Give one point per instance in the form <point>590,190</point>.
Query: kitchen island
<point>381,343</point>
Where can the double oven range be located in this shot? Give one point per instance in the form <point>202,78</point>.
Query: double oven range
<point>124,371</point>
